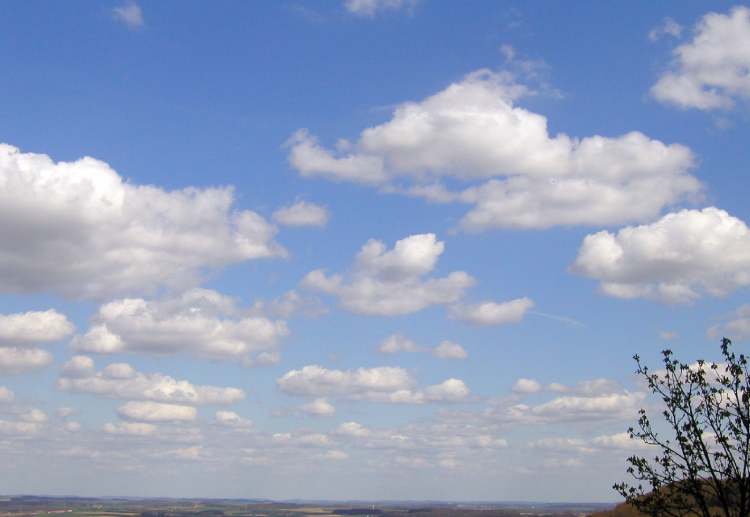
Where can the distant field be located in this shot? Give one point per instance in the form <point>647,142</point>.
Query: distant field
<point>30,506</point>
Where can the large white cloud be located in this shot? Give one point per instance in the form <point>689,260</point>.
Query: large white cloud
<point>676,259</point>
<point>79,229</point>
<point>518,175</point>
<point>33,327</point>
<point>381,384</point>
<point>121,381</point>
<point>147,411</point>
<point>392,282</point>
<point>713,70</point>
<point>14,360</point>
<point>200,321</point>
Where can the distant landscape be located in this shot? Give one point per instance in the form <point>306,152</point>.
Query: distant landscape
<point>38,506</point>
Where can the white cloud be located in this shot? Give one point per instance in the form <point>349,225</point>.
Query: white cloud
<point>302,213</point>
<point>382,384</point>
<point>735,326</point>
<point>676,259</point>
<point>20,360</point>
<point>129,14</point>
<point>449,350</point>
<point>335,455</point>
<point>391,282</point>
<point>569,408</point>
<point>711,71</point>
<point>369,8</point>
<point>396,343</point>
<point>353,429</point>
<point>6,395</point>
<point>148,411</point>
<point>451,390</point>
<point>130,428</point>
<point>288,305</point>
<point>232,419</point>
<point>526,386</point>
<point>33,327</point>
<point>519,175</point>
<point>34,416</point>
<point>492,313</point>
<point>121,381</point>
<point>618,441</point>
<point>319,407</point>
<point>78,366</point>
<point>72,426</point>
<point>18,428</point>
<point>668,27</point>
<point>301,440</point>
<point>200,321</point>
<point>82,231</point>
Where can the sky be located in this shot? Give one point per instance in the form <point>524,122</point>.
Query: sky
<point>360,249</point>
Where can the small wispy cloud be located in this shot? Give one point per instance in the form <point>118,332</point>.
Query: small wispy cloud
<point>668,27</point>
<point>130,14</point>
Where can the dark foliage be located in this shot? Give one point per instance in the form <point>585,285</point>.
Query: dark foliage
<point>700,465</point>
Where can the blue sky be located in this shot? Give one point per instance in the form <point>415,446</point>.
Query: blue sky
<point>514,198</point>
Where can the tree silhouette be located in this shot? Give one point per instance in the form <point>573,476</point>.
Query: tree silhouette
<point>701,462</point>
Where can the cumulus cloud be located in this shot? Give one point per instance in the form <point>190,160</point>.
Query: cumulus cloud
<point>396,343</point>
<point>353,429</point>
<point>711,71</point>
<point>130,428</point>
<point>369,8</point>
<point>33,327</point>
<point>575,408</point>
<point>147,411</point>
<point>449,350</point>
<point>232,419</point>
<point>381,384</point>
<point>302,213</point>
<point>80,230</point>
<point>516,174</point>
<point>78,366</point>
<point>526,386</point>
<point>619,441</point>
<point>15,360</point>
<point>319,407</point>
<point>392,282</point>
<point>677,259</point>
<point>121,381</point>
<point>200,321</point>
<point>492,313</point>
<point>129,14</point>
